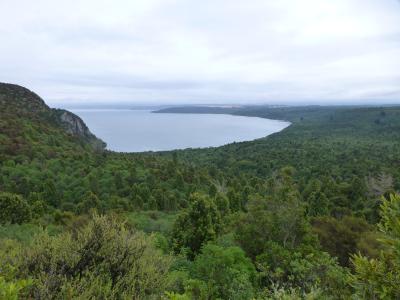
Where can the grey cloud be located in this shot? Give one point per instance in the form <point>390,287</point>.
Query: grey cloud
<point>176,51</point>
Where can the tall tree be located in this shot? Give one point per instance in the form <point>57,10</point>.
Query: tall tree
<point>277,217</point>
<point>195,226</point>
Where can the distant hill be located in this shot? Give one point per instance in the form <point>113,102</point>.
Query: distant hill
<point>198,110</point>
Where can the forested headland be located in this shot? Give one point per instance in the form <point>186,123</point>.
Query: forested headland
<point>307,213</point>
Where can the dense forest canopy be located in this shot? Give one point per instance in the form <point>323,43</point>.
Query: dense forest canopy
<point>307,213</point>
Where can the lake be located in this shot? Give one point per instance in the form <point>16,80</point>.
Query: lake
<point>142,130</point>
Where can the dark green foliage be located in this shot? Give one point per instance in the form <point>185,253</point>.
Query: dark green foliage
<point>41,155</point>
<point>344,237</point>
<point>339,147</point>
<point>89,202</point>
<point>318,203</point>
<point>197,225</point>
<point>303,268</point>
<point>278,217</point>
<point>151,221</point>
<point>13,209</point>
<point>223,204</point>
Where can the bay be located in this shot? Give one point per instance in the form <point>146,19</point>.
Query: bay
<point>142,130</point>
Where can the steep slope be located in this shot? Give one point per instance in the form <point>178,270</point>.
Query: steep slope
<point>23,111</point>
<point>74,125</point>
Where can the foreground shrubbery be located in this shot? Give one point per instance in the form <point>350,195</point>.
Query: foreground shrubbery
<point>379,278</point>
<point>102,260</point>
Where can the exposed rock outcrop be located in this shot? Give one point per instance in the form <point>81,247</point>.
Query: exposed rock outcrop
<point>74,125</point>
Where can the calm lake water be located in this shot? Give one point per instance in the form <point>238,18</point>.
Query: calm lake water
<point>142,130</point>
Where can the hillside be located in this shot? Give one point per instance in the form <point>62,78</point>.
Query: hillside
<point>28,116</point>
<point>276,218</point>
<point>51,154</point>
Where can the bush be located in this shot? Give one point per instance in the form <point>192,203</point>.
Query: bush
<point>303,270</point>
<point>196,226</point>
<point>222,273</point>
<point>13,209</point>
<point>379,278</point>
<point>13,290</point>
<point>102,260</point>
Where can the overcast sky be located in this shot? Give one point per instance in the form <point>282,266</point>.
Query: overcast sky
<point>209,51</point>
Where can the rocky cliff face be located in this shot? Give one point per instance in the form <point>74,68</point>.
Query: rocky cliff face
<point>74,125</point>
<point>15,99</point>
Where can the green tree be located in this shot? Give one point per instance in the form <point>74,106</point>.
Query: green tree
<point>225,273</point>
<point>89,202</point>
<point>317,204</point>
<point>38,206</point>
<point>316,199</point>
<point>197,225</point>
<point>303,268</point>
<point>50,194</point>
<point>342,238</point>
<point>222,203</point>
<point>94,182</point>
<point>13,209</point>
<point>379,278</point>
<point>278,217</point>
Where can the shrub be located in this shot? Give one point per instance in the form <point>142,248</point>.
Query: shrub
<point>13,209</point>
<point>101,260</point>
<point>223,273</point>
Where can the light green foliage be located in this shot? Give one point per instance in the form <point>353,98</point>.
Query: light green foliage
<point>13,209</point>
<point>196,226</point>
<point>20,232</point>
<point>9,253</point>
<point>103,259</point>
<point>279,293</point>
<point>175,296</point>
<point>13,290</point>
<point>11,287</point>
<point>379,278</point>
